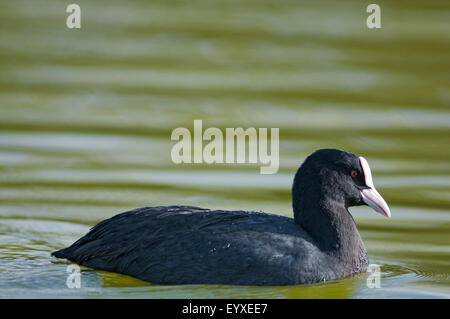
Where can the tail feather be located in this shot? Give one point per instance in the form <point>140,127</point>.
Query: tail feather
<point>63,253</point>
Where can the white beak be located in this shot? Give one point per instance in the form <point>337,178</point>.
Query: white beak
<point>370,196</point>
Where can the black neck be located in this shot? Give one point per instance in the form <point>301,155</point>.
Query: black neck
<point>325,217</point>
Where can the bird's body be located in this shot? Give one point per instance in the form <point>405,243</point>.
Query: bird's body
<point>185,244</point>
<point>192,245</point>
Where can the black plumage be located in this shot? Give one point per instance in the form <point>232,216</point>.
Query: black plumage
<point>192,245</point>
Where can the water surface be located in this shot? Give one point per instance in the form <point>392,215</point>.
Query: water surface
<point>86,117</point>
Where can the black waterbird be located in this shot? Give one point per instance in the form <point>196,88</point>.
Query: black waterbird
<point>192,245</point>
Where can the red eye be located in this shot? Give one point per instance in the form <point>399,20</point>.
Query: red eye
<point>353,174</point>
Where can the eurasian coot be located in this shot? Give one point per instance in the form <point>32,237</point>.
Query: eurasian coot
<point>192,245</point>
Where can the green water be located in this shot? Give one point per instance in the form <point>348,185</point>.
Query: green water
<point>86,117</point>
